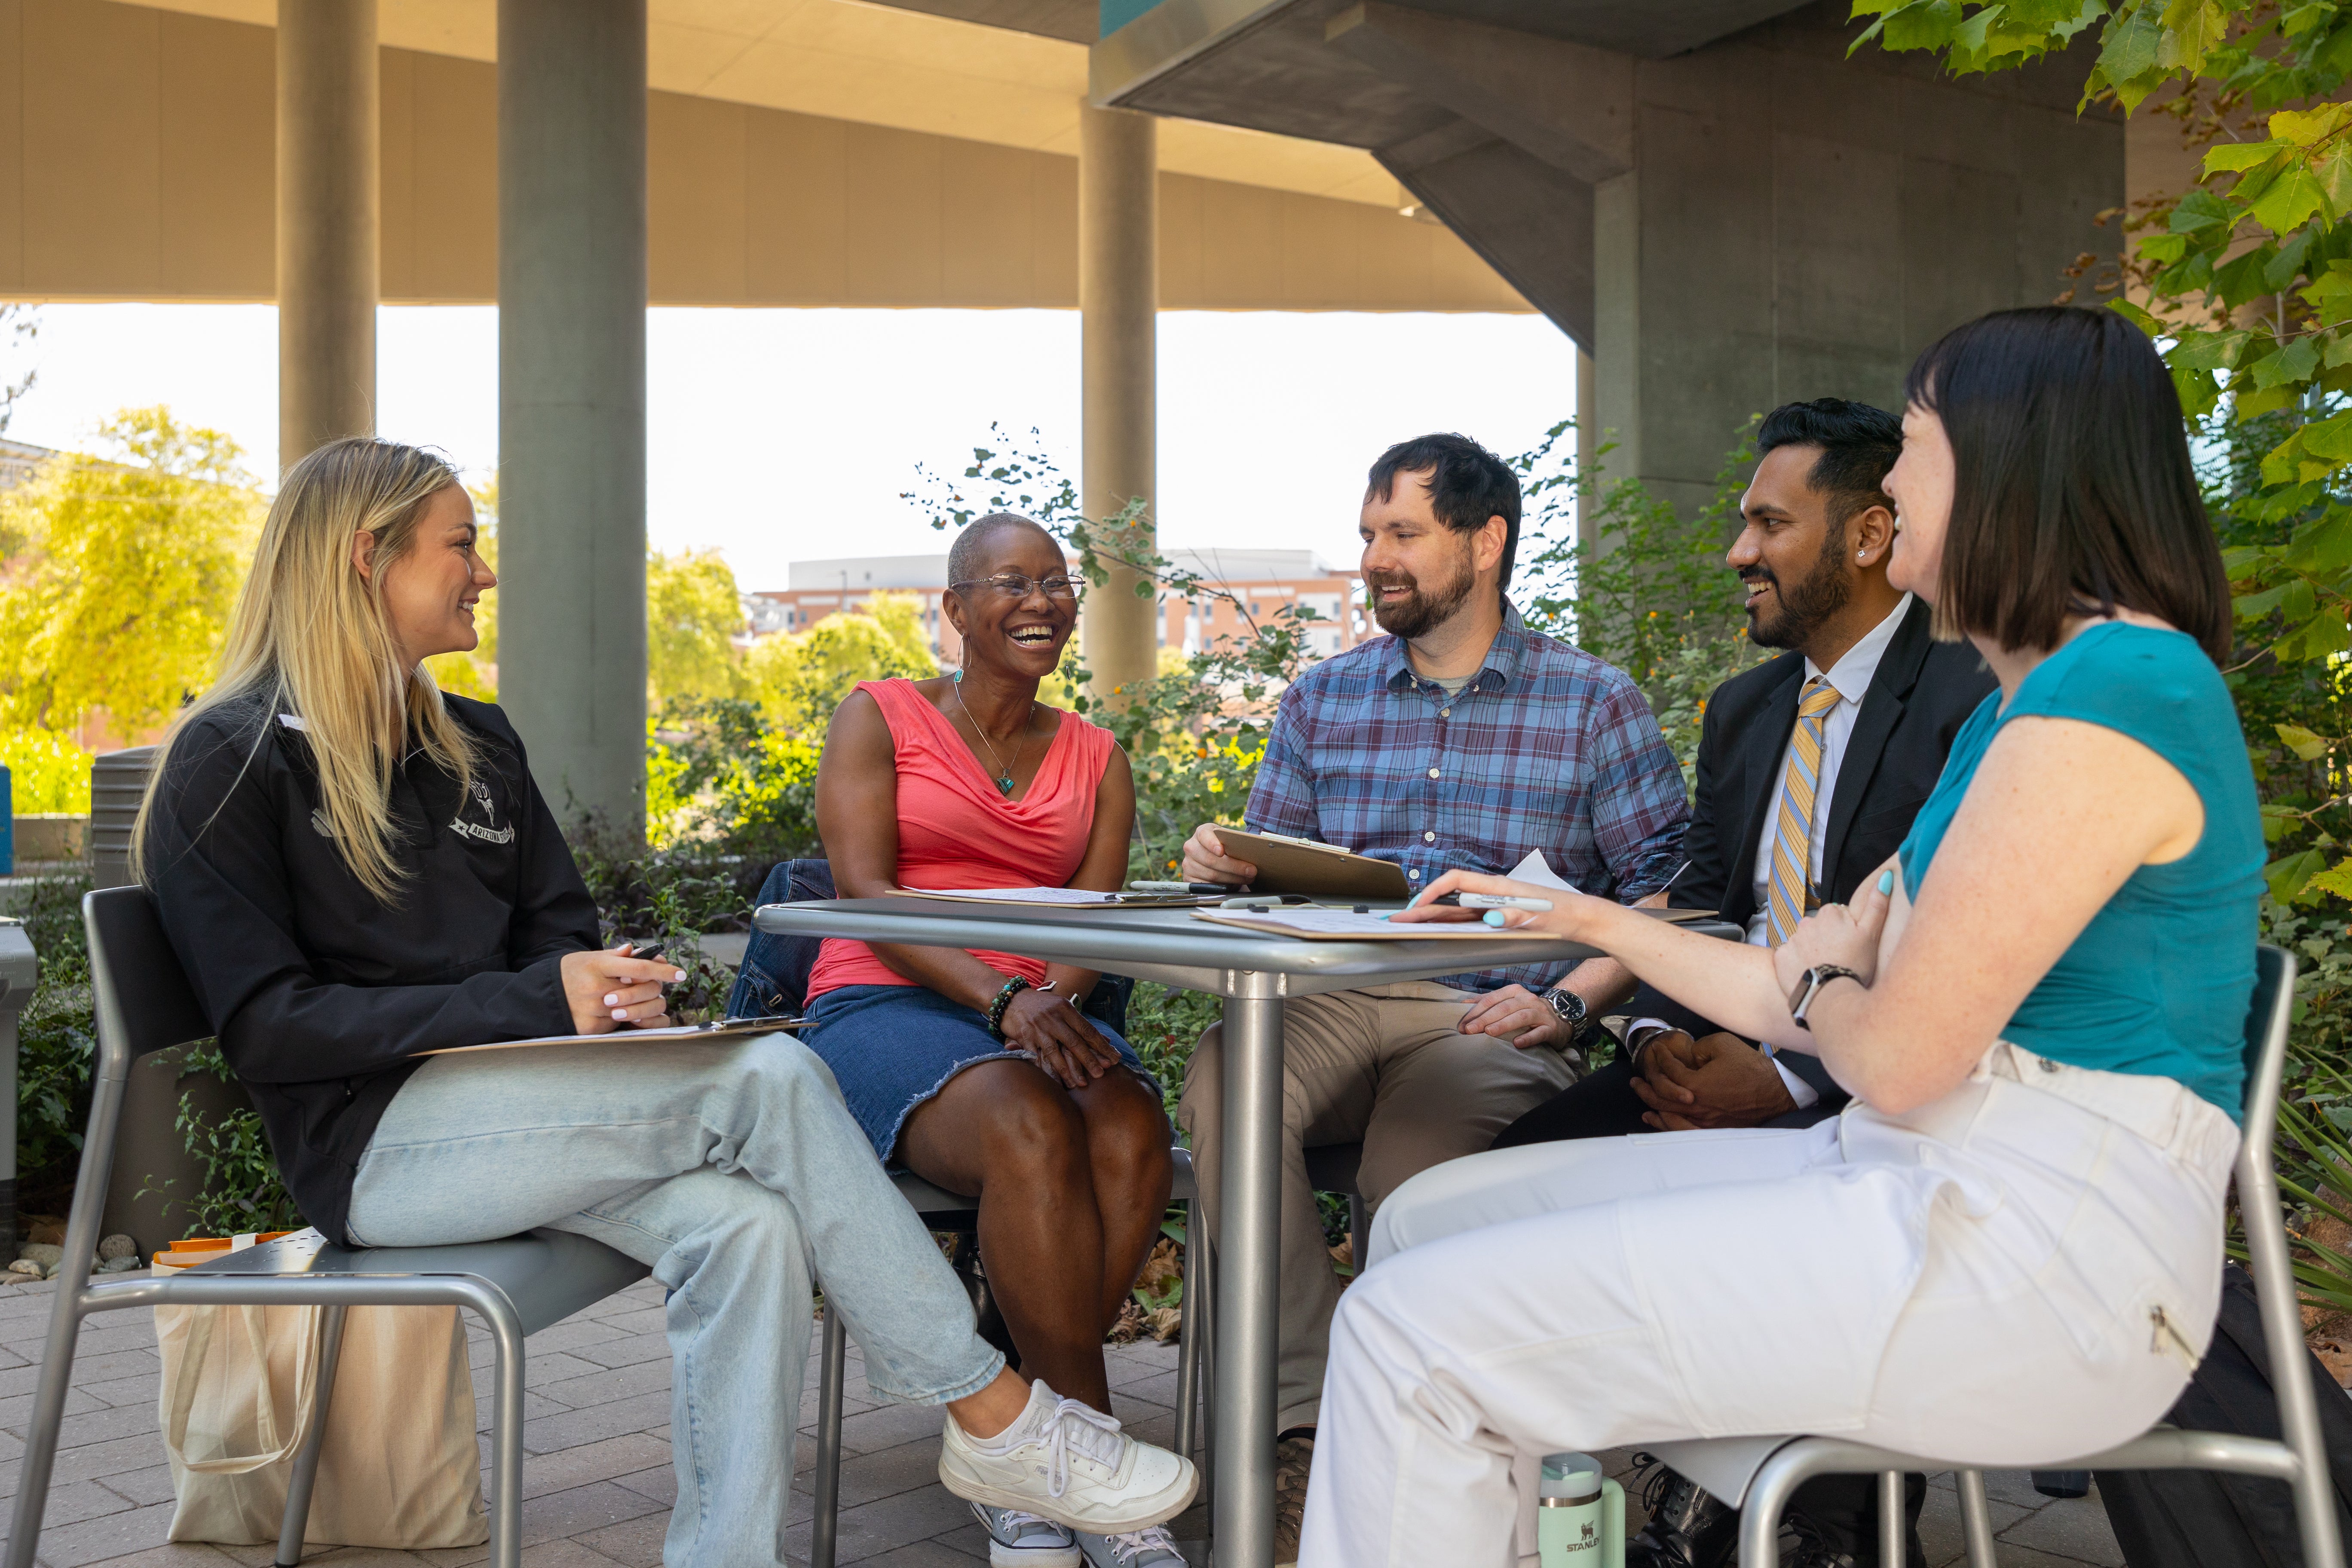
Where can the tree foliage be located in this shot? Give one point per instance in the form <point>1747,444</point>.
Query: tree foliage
<point>692,613</point>
<point>2247,283</point>
<point>121,588</point>
<point>799,679</point>
<point>46,772</point>
<point>1653,595</point>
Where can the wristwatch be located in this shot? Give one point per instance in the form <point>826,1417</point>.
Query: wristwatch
<point>1571,1010</point>
<point>1808,986</point>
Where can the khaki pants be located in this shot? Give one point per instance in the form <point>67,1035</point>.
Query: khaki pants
<point>1384,1067</point>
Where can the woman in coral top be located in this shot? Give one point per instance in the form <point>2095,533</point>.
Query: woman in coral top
<point>977,1070</point>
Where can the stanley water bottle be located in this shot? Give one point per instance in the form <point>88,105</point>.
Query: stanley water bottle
<point>1579,1515</point>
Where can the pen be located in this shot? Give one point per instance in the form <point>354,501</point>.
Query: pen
<point>1182,888</point>
<point>1490,901</point>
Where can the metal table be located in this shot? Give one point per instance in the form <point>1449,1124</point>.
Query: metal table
<point>1254,973</point>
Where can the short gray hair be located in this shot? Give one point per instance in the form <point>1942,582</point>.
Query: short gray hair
<point>963,555</point>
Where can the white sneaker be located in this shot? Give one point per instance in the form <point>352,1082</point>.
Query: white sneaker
<point>1070,1463</point>
<point>1151,1548</point>
<point>1018,1540</point>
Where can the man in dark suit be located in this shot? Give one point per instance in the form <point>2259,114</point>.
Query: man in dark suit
<point>1810,768</point>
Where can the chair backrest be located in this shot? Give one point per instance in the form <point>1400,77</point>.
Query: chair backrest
<point>142,994</point>
<point>773,980</point>
<point>2266,1024</point>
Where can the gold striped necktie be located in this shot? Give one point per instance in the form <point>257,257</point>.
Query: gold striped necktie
<point>1792,831</point>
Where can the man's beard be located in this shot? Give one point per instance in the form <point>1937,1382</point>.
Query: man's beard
<point>1804,605</point>
<point>1420,611</point>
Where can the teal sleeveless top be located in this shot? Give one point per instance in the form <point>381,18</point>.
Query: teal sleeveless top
<point>2160,981</point>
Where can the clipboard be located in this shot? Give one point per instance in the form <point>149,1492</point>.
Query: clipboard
<point>1287,865</point>
<point>724,1029</point>
<point>1346,925</point>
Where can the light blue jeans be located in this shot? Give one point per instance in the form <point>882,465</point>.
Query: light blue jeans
<point>733,1170</point>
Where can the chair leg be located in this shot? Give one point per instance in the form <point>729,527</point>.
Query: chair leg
<point>1976,1518</point>
<point>1188,1337</point>
<point>1360,1233</point>
<point>1890,1520</point>
<point>1768,1498</point>
<point>826,1525</point>
<point>1208,1321</point>
<point>506,1428</point>
<point>305,1463</point>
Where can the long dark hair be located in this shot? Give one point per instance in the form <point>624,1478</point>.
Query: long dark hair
<point>2072,490</point>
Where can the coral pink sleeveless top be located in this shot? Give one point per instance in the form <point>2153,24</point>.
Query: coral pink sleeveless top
<point>956,831</point>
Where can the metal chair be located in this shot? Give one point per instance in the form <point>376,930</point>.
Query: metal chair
<point>1757,1475</point>
<point>944,1210</point>
<point>516,1287</point>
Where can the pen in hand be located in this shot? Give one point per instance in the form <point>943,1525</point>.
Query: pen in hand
<point>1492,901</point>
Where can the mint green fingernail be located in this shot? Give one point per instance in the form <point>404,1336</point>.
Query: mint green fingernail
<point>1493,917</point>
<point>1886,883</point>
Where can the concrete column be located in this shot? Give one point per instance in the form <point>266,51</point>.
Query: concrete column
<point>1119,304</point>
<point>326,223</point>
<point>1588,443</point>
<point>572,399</point>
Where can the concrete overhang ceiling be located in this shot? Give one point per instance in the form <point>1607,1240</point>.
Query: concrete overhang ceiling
<point>1269,64</point>
<point>1009,72</point>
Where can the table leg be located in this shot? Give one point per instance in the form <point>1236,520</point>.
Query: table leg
<point>1249,1277</point>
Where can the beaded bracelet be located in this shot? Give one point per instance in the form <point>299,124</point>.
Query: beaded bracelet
<point>1012,987</point>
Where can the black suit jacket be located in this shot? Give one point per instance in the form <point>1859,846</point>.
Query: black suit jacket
<point>1923,692</point>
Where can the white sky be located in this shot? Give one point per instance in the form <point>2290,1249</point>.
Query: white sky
<point>777,435</point>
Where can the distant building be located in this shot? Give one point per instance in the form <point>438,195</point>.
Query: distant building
<point>1263,582</point>
<point>821,588</point>
<point>20,460</point>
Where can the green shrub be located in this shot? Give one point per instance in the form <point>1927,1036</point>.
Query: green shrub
<point>48,771</point>
<point>57,1044</point>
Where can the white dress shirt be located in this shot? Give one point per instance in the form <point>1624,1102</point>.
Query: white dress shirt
<point>1850,677</point>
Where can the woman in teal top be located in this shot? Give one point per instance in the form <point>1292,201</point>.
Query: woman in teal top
<point>2008,1248</point>
<point>2159,981</point>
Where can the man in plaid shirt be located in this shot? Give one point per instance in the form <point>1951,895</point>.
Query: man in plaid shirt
<point>1461,739</point>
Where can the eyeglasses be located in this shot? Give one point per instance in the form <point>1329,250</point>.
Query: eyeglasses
<point>1013,586</point>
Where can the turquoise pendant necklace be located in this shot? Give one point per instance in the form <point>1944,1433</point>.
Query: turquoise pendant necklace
<point>1003,777</point>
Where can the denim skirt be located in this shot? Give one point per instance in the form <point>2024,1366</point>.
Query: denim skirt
<point>892,1048</point>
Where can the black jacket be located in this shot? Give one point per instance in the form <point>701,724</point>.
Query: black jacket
<point>321,994</point>
<point>1921,693</point>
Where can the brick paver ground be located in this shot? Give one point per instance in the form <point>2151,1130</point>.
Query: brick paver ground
<point>597,1485</point>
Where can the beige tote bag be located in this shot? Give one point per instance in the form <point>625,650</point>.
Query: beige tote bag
<point>399,1469</point>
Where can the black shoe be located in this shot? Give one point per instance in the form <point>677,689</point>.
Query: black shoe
<point>1688,1527</point>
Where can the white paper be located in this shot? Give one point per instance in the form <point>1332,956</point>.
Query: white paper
<point>1535,868</point>
<point>1347,922</point>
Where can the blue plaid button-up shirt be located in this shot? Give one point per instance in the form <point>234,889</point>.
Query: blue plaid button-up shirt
<point>1548,749</point>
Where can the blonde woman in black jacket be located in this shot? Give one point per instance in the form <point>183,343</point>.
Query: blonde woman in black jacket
<point>354,869</point>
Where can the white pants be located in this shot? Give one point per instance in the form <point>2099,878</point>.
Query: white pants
<point>1976,1281</point>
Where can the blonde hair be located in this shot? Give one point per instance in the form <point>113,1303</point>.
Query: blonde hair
<point>310,638</point>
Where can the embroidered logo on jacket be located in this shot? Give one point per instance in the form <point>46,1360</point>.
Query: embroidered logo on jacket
<point>486,830</point>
